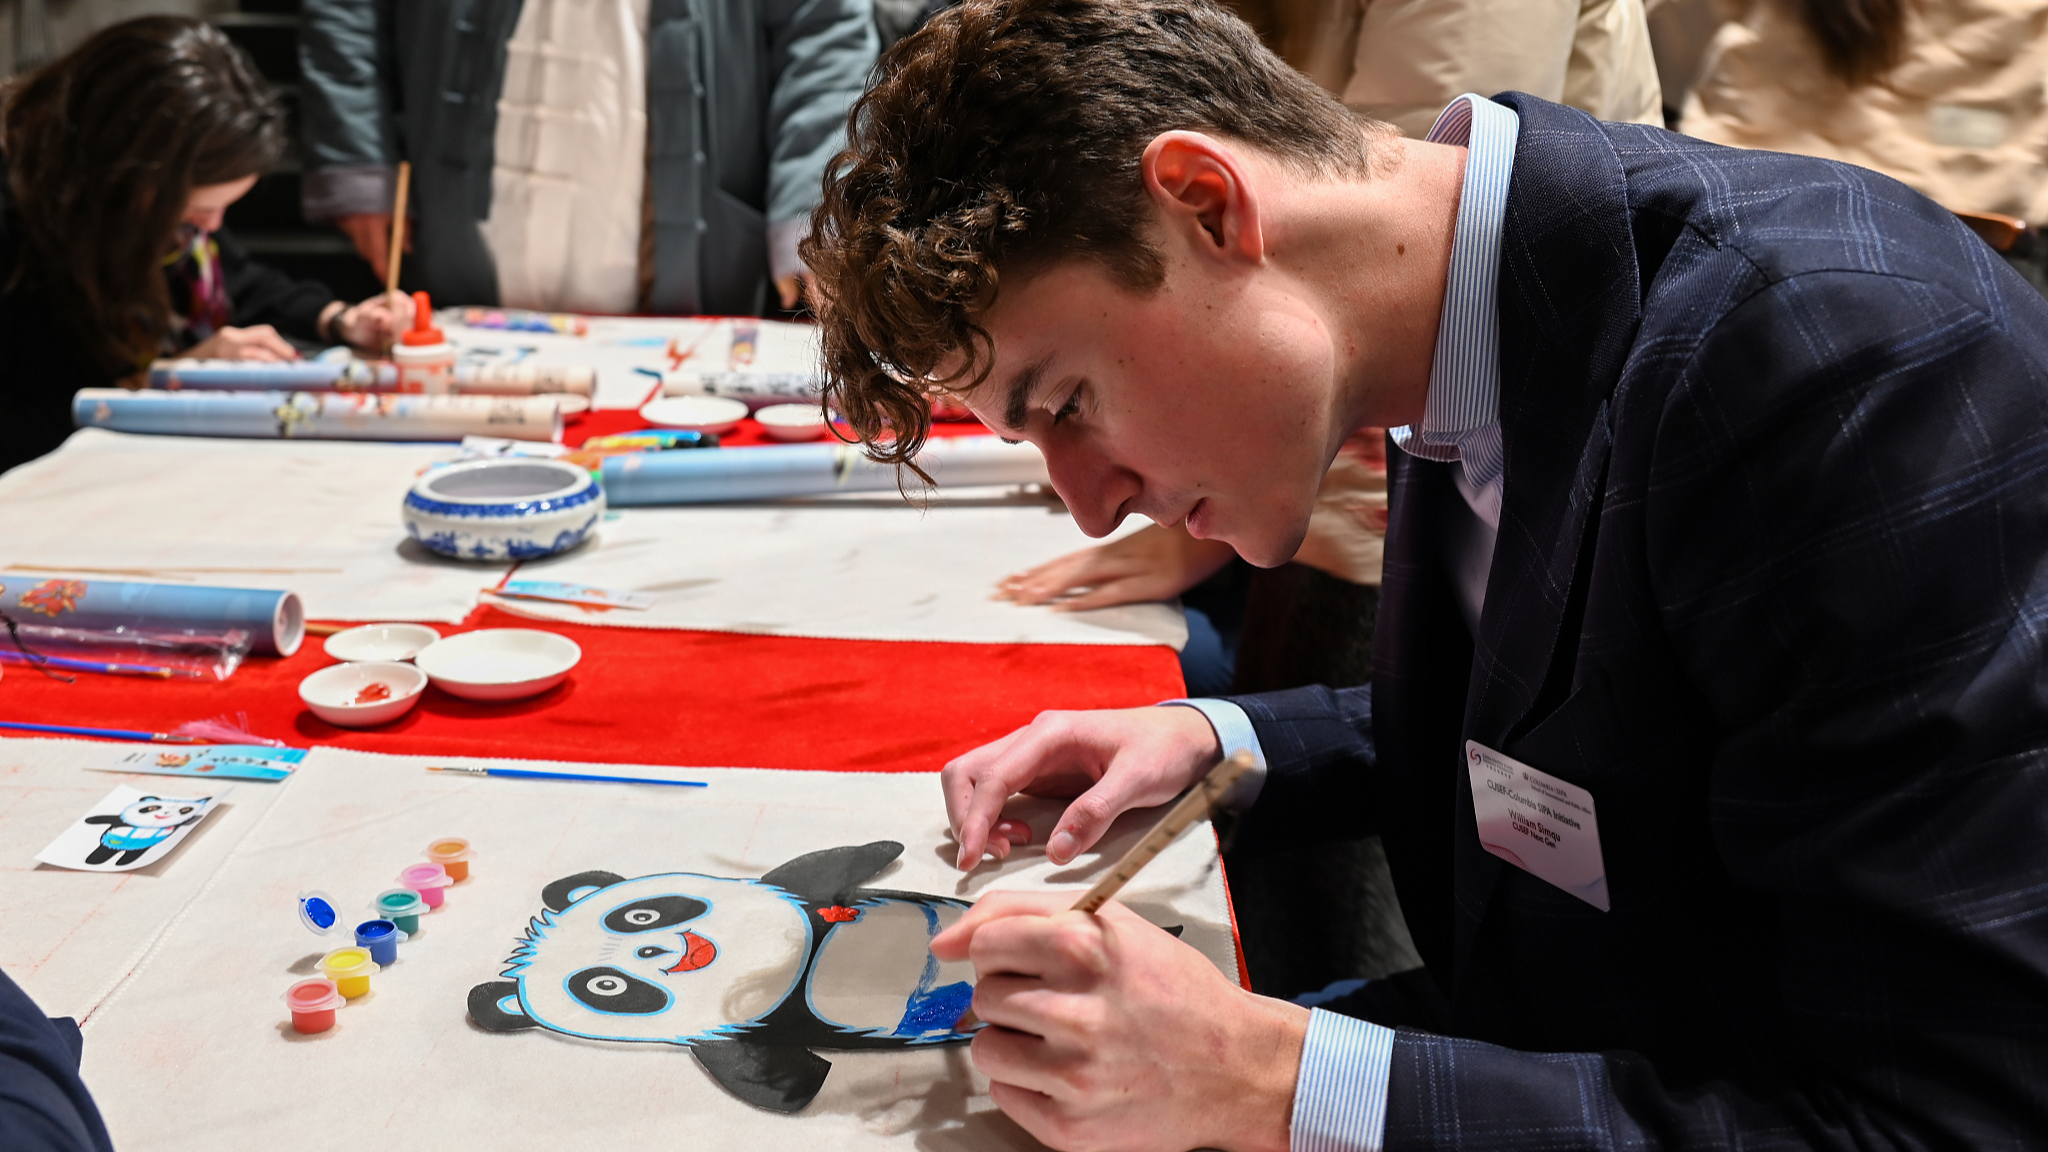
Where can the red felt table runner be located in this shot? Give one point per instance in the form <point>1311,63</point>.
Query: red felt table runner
<point>652,696</point>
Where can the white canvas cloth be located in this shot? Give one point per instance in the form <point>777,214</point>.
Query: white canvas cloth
<point>194,1051</point>
<point>564,228</point>
<point>68,937</point>
<point>191,510</point>
<point>858,566</point>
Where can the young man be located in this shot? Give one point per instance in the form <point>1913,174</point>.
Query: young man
<point>1708,737</point>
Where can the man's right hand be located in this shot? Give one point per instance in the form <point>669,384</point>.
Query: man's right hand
<point>1111,761</point>
<point>370,232</point>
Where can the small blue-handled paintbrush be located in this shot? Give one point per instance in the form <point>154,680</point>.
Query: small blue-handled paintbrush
<point>109,733</point>
<point>529,775</point>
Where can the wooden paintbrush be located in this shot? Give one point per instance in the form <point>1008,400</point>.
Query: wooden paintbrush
<point>1192,807</point>
<point>396,255</point>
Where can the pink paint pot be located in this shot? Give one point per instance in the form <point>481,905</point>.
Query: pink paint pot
<point>312,1003</point>
<point>428,880</point>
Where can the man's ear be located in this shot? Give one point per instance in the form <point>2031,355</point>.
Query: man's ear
<point>1200,183</point>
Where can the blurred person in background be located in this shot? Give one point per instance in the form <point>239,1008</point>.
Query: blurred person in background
<point>583,155</point>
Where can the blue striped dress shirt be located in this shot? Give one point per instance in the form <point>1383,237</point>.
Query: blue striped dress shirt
<point>1340,1095</point>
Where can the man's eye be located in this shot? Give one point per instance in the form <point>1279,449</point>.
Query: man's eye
<point>650,952</point>
<point>1070,408</point>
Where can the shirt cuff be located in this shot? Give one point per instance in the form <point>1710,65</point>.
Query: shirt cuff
<point>1340,1096</point>
<point>1234,732</point>
<point>783,237</point>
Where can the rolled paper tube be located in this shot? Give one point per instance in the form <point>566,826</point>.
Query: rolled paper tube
<point>808,470</point>
<point>755,389</point>
<point>453,854</point>
<point>274,620</point>
<point>319,415</point>
<point>381,938</point>
<point>350,970</point>
<point>362,376</point>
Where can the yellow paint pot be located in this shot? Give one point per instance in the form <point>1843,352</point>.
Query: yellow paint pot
<point>350,970</point>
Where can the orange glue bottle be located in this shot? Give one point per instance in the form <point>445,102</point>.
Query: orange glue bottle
<point>426,361</point>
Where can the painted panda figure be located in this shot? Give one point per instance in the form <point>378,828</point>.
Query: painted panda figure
<point>141,826</point>
<point>750,975</point>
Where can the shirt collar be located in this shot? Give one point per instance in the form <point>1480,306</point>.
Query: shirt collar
<point>1464,376</point>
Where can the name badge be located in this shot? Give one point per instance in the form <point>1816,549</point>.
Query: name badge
<point>1538,823</point>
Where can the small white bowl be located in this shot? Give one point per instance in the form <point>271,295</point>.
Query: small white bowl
<point>712,414</point>
<point>332,692</point>
<point>499,663</point>
<point>792,421</point>
<point>380,642</point>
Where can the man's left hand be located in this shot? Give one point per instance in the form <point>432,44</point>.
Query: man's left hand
<point>1105,1032</point>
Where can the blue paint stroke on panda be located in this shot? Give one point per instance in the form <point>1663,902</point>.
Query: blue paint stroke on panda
<point>738,971</point>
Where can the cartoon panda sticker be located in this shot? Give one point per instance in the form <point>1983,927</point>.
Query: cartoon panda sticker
<point>750,975</point>
<point>127,829</point>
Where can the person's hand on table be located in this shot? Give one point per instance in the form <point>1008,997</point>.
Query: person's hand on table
<point>1110,760</point>
<point>370,232</point>
<point>370,326</point>
<point>1105,1032</point>
<point>1153,563</point>
<point>256,342</point>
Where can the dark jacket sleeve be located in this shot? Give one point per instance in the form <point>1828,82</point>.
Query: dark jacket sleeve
<point>820,53</point>
<point>44,1106</point>
<point>348,107</point>
<point>1319,765</point>
<point>263,295</point>
<point>1846,517</point>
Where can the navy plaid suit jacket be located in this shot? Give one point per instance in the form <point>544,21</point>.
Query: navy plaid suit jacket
<point>1771,583</point>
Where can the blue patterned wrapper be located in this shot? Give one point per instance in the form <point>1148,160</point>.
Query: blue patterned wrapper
<point>274,620</point>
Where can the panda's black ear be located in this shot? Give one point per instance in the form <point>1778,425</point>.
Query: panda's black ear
<point>487,1007</point>
<point>561,893</point>
<point>827,876</point>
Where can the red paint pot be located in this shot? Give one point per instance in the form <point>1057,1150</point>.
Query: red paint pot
<point>312,1003</point>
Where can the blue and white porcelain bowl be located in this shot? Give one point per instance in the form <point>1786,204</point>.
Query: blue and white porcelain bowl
<point>509,509</point>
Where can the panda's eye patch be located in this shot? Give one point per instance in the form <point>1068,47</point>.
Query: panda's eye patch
<point>610,990</point>
<point>147,808</point>
<point>654,912</point>
<point>650,951</point>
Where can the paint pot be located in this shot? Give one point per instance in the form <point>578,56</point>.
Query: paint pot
<point>317,913</point>
<point>425,358</point>
<point>453,854</point>
<point>427,880</point>
<point>401,906</point>
<point>312,1003</point>
<point>381,938</point>
<point>350,970</point>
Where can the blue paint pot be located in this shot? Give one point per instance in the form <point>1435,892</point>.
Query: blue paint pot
<point>381,938</point>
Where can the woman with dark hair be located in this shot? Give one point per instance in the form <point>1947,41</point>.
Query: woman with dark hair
<point>117,163</point>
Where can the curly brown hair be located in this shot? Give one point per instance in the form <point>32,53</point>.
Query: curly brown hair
<point>1006,136</point>
<point>103,148</point>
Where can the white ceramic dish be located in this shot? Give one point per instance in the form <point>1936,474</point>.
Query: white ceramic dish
<point>332,692</point>
<point>380,642</point>
<point>792,421</point>
<point>509,508</point>
<point>499,663</point>
<point>694,413</point>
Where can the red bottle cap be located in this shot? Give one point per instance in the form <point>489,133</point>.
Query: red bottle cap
<point>423,330</point>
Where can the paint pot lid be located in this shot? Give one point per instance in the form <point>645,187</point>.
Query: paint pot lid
<point>448,849</point>
<point>343,963</point>
<point>418,876</point>
<point>413,905</point>
<point>316,995</point>
<point>317,911</point>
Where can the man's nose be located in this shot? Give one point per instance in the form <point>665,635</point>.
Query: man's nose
<point>1093,488</point>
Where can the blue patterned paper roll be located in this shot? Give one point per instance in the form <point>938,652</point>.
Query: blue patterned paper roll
<point>318,415</point>
<point>274,620</point>
<point>737,474</point>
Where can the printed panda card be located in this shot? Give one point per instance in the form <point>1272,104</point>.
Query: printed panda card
<point>127,829</point>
